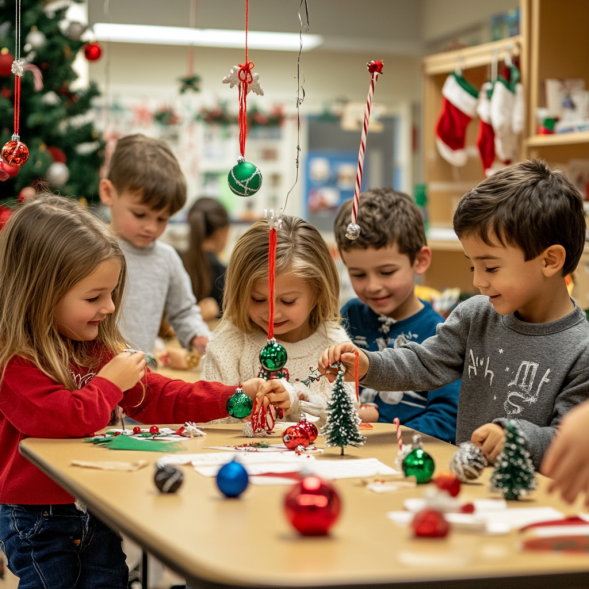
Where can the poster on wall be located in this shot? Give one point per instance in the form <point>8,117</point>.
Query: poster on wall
<point>329,180</point>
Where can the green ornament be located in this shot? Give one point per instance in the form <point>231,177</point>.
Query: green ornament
<point>239,405</point>
<point>244,179</point>
<point>418,463</point>
<point>273,356</point>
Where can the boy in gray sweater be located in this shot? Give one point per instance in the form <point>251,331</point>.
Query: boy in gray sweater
<point>522,346</point>
<point>144,188</point>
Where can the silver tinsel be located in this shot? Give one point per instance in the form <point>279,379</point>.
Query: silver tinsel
<point>468,462</point>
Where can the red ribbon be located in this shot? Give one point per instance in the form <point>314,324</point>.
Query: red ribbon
<point>245,79</point>
<point>16,104</point>
<point>271,279</point>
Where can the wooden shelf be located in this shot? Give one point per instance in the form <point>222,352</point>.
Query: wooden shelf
<point>558,139</point>
<point>480,55</point>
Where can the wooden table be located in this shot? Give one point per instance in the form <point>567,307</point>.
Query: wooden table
<point>216,542</point>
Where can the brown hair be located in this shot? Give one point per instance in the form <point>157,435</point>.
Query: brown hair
<point>528,206</point>
<point>300,250</point>
<point>206,216</point>
<point>144,165</point>
<point>48,245</point>
<point>386,217</point>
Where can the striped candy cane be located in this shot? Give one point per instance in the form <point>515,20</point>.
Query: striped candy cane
<point>399,435</point>
<point>353,231</point>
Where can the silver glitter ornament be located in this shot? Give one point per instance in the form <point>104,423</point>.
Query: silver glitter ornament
<point>353,231</point>
<point>468,462</point>
<point>57,174</point>
<point>75,30</point>
<point>36,39</point>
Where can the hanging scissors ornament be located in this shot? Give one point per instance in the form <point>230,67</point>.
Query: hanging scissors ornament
<point>245,179</point>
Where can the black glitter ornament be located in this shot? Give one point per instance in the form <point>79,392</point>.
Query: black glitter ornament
<point>168,478</point>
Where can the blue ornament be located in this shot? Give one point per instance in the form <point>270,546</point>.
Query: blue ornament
<point>232,479</point>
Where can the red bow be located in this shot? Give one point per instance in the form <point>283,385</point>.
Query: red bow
<point>375,67</point>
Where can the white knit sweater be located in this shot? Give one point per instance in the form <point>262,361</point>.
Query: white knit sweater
<point>233,356</point>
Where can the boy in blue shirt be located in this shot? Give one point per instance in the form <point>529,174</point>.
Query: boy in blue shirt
<point>382,264</point>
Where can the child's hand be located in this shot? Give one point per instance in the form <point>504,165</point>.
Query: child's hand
<point>345,353</point>
<point>275,393</point>
<point>490,439</point>
<point>250,387</point>
<point>369,413</point>
<point>566,461</point>
<point>199,344</point>
<point>125,370</point>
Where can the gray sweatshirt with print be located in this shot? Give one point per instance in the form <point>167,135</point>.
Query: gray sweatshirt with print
<point>157,282</point>
<point>533,373</point>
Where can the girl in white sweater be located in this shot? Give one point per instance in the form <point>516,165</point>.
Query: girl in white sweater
<point>306,315</point>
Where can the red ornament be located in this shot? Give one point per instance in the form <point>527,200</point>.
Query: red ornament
<point>446,481</point>
<point>3,175</point>
<point>6,60</point>
<point>312,506</point>
<point>310,429</point>
<point>92,51</point>
<point>12,171</point>
<point>295,436</point>
<point>117,434</point>
<point>467,508</point>
<point>154,429</point>
<point>430,523</point>
<point>5,213</point>
<point>375,67</point>
<point>15,153</point>
<point>136,430</point>
<point>57,155</point>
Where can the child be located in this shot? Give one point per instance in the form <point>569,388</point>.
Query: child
<point>209,227</point>
<point>306,316</point>
<point>382,264</point>
<point>522,347</point>
<point>144,188</point>
<point>62,277</point>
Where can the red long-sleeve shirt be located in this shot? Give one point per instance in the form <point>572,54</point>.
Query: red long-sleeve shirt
<point>34,405</point>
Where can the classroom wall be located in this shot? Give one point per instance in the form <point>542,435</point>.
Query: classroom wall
<point>448,18</point>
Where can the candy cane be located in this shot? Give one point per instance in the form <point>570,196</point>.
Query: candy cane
<point>353,231</point>
<point>399,435</point>
<point>37,75</point>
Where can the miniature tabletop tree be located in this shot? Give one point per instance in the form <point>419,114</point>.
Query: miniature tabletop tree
<point>514,474</point>
<point>342,424</point>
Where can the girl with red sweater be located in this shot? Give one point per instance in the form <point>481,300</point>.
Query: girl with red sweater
<point>62,372</point>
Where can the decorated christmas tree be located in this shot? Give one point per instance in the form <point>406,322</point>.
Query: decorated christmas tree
<point>66,151</point>
<point>342,424</point>
<point>514,475</point>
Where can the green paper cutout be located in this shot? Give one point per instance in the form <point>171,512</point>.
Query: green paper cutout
<point>128,443</point>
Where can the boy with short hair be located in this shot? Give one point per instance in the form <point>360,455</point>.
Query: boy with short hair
<point>143,189</point>
<point>383,263</point>
<point>522,347</point>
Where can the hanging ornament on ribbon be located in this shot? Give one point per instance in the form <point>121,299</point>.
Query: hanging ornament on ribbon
<point>244,178</point>
<point>273,356</point>
<point>16,153</point>
<point>375,68</point>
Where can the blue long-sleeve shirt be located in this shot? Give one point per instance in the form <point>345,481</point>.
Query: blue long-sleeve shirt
<point>432,412</point>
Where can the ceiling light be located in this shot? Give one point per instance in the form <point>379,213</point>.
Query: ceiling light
<point>203,37</point>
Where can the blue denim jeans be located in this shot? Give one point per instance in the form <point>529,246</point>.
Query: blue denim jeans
<point>60,547</point>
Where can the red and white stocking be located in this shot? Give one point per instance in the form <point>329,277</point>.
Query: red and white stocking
<point>486,137</point>
<point>459,105</point>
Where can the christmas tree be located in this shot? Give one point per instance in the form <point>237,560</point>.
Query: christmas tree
<point>514,474</point>
<point>342,424</point>
<point>66,151</point>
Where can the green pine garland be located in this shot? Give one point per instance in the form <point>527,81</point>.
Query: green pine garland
<point>49,123</point>
<point>342,424</point>
<point>514,475</point>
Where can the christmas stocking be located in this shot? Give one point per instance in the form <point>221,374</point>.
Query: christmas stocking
<point>486,137</point>
<point>507,109</point>
<point>459,105</point>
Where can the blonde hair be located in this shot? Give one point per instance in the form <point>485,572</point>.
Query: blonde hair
<point>300,250</point>
<point>48,245</point>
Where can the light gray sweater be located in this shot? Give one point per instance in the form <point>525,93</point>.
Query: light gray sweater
<point>157,282</point>
<point>531,372</point>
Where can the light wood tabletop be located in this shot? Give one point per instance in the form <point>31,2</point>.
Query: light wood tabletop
<point>217,542</point>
